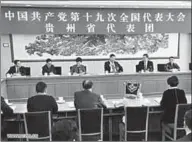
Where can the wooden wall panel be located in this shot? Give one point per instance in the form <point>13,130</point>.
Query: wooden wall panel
<point>111,86</point>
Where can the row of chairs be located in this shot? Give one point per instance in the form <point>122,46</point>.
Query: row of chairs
<point>161,67</point>
<point>90,122</point>
<point>58,70</point>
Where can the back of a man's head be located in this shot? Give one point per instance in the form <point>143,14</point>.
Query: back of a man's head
<point>188,119</point>
<point>87,84</point>
<point>41,87</point>
<point>64,130</point>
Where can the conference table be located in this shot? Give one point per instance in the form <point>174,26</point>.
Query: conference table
<point>111,86</point>
<point>68,106</point>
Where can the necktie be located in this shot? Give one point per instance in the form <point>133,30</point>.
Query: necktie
<point>172,66</point>
<point>17,69</point>
<point>145,66</point>
<point>113,68</point>
<point>78,69</point>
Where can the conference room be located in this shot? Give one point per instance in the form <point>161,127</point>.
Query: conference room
<point>96,70</point>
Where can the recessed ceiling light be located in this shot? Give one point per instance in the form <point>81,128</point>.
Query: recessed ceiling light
<point>28,5</point>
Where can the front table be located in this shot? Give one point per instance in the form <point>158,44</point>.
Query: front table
<point>111,86</point>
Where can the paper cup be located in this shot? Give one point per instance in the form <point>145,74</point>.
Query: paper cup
<point>60,98</point>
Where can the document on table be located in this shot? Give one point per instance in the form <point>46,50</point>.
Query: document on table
<point>71,104</point>
<point>158,100</point>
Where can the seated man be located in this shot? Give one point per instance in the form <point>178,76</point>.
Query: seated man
<point>41,101</point>
<point>7,111</point>
<point>145,65</point>
<point>86,98</point>
<point>65,130</point>
<point>188,126</point>
<point>78,68</point>
<point>17,69</point>
<point>171,65</point>
<point>112,66</point>
<point>48,68</point>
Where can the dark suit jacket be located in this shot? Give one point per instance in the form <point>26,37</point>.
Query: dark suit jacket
<point>149,66</point>
<point>47,70</point>
<point>118,67</point>
<point>42,103</point>
<point>7,111</point>
<point>5,108</point>
<point>12,70</point>
<point>86,99</point>
<point>170,99</point>
<point>168,66</point>
<point>186,138</point>
<point>76,69</point>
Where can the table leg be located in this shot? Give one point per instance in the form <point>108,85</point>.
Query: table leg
<point>110,127</point>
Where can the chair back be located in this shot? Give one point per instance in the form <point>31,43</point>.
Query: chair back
<point>85,69</point>
<point>161,67</point>
<point>190,66</point>
<point>136,120</point>
<point>58,70</point>
<point>28,71</point>
<point>71,69</point>
<point>38,123</point>
<point>179,114</point>
<point>137,68</point>
<point>90,122</point>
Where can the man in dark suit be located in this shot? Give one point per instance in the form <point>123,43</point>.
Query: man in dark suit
<point>42,101</point>
<point>17,69</point>
<point>172,65</point>
<point>48,68</point>
<point>112,66</point>
<point>7,111</point>
<point>78,68</point>
<point>188,126</point>
<point>145,65</point>
<point>86,98</point>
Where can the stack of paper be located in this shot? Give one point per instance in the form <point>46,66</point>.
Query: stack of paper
<point>71,104</point>
<point>158,100</point>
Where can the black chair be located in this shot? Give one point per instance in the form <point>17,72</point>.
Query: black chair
<point>190,66</point>
<point>137,68</point>
<point>28,71</point>
<point>90,122</point>
<point>58,70</point>
<point>136,122</point>
<point>161,67</point>
<point>38,123</point>
<point>176,130</point>
<point>85,69</point>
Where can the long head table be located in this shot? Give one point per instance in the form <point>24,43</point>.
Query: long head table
<point>111,86</point>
